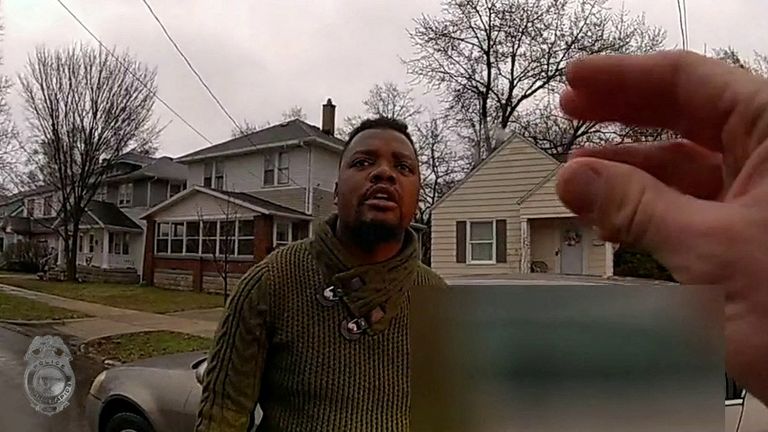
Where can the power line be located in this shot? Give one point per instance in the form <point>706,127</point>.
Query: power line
<point>128,69</point>
<point>205,85</point>
<point>192,68</point>
<point>680,17</point>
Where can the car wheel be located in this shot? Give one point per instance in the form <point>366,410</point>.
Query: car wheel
<point>128,422</point>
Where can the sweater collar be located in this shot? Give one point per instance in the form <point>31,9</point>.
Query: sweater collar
<point>364,287</point>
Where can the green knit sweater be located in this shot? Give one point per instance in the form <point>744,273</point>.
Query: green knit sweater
<point>289,341</point>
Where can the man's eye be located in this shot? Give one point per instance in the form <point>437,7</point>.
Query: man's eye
<point>360,163</point>
<point>405,167</point>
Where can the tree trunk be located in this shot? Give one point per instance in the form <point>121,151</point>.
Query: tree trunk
<point>72,255</point>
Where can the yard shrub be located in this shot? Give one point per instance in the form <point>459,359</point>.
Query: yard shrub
<point>636,263</point>
<point>23,256</point>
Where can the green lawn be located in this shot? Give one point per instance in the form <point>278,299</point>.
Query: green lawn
<point>20,308</point>
<point>147,299</point>
<point>136,346</point>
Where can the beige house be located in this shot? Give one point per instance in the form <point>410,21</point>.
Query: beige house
<point>505,217</point>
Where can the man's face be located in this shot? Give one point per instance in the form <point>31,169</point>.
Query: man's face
<point>379,181</point>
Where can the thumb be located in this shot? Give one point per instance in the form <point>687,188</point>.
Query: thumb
<point>630,206</point>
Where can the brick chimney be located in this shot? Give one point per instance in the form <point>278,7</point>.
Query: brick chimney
<point>329,117</point>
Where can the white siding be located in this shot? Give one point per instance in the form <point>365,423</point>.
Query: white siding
<point>491,192</point>
<point>325,168</point>
<point>246,172</point>
<point>198,204</point>
<point>195,174</point>
<point>544,202</point>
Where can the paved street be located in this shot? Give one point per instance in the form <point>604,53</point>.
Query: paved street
<point>16,413</point>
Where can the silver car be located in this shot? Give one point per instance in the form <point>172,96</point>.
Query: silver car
<point>163,394</point>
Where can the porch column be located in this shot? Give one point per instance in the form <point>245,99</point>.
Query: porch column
<point>525,246</point>
<point>148,261</point>
<point>608,259</point>
<point>60,252</point>
<point>105,250</point>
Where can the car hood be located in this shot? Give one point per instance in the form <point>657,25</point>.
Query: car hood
<point>181,361</point>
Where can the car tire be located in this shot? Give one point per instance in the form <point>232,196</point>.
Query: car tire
<point>128,422</point>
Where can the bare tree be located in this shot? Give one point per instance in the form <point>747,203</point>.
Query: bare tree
<point>487,57</point>
<point>385,100</point>
<point>758,65</point>
<point>85,108</point>
<point>246,128</point>
<point>218,241</point>
<point>294,112</point>
<point>442,165</point>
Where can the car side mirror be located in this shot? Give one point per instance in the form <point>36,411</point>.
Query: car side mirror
<point>200,372</point>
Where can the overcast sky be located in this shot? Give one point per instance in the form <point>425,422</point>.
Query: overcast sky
<point>261,57</point>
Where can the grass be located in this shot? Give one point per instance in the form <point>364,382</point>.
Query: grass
<point>137,346</point>
<point>141,298</point>
<point>20,308</point>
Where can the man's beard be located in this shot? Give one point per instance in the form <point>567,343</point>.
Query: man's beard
<point>368,235</point>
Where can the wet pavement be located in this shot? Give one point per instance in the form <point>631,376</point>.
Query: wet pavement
<point>16,412</point>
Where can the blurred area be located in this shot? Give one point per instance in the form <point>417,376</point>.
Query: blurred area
<point>568,358</point>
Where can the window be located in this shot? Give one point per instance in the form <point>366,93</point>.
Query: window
<point>269,170</point>
<point>119,243</point>
<point>163,235</point>
<point>30,207</point>
<point>101,193</point>
<point>245,237</point>
<point>177,237</point>
<point>210,231</point>
<point>91,243</point>
<point>282,169</point>
<point>218,180</point>
<point>48,205</point>
<point>481,242</point>
<point>125,195</point>
<point>207,174</point>
<point>192,245</point>
<point>282,234</point>
<point>213,175</point>
<point>174,188</point>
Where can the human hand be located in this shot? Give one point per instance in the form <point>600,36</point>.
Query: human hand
<point>699,205</point>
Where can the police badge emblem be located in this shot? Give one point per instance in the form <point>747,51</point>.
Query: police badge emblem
<point>49,381</point>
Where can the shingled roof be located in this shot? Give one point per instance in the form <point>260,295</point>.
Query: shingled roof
<point>105,213</point>
<point>292,130</point>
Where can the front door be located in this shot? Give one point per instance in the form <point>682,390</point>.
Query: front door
<point>571,251</point>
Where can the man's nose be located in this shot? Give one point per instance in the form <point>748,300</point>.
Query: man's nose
<point>383,173</point>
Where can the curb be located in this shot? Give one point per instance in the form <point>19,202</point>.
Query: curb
<point>44,322</point>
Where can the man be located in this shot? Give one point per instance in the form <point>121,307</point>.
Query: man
<point>317,333</point>
<point>700,205</point>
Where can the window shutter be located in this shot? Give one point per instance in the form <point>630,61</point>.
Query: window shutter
<point>501,240</point>
<point>461,241</point>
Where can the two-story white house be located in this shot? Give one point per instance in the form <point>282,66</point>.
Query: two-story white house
<point>111,234</point>
<point>245,197</point>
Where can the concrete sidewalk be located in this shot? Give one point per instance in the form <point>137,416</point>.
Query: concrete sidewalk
<point>108,320</point>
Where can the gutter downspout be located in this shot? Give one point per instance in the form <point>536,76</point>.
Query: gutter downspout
<point>308,200</point>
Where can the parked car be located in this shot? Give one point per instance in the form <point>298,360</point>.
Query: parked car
<point>163,393</point>
<point>153,395</point>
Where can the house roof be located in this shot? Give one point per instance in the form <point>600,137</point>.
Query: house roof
<point>290,131</point>
<point>27,193</point>
<point>514,137</point>
<point>107,214</point>
<point>254,203</point>
<point>136,158</point>
<point>164,168</point>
